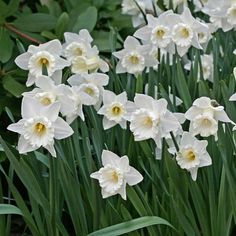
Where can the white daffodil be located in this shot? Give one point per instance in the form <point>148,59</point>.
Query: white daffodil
<point>114,109</point>
<point>158,31</point>
<point>37,57</point>
<point>71,104</point>
<point>90,87</point>
<point>46,93</point>
<point>207,67</point>
<point>39,126</point>
<point>83,57</point>
<point>134,57</point>
<point>185,32</point>
<point>151,119</point>
<point>115,174</point>
<point>204,116</point>
<point>77,44</point>
<point>192,154</point>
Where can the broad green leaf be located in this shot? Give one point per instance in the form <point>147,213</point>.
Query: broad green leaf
<point>13,86</point>
<point>130,226</point>
<point>62,24</point>
<point>87,20</point>
<point>6,45</point>
<point>6,209</point>
<point>35,22</point>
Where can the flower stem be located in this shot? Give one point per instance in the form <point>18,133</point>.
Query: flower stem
<point>23,35</point>
<point>52,195</point>
<point>174,141</point>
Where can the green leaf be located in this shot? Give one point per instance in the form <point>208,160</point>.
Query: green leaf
<point>182,86</point>
<point>6,45</point>
<point>13,86</point>
<point>36,22</point>
<point>130,226</point>
<point>6,209</point>
<point>62,24</point>
<point>87,20</point>
<point>12,7</point>
<point>3,8</point>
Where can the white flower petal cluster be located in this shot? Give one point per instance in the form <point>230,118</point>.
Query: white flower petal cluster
<point>158,31</point>
<point>115,174</point>
<point>150,119</point>
<point>185,32</point>
<point>39,126</point>
<point>134,58</point>
<point>204,116</point>
<point>85,89</point>
<point>222,13</point>
<point>46,55</point>
<point>163,34</point>
<point>207,67</point>
<point>192,154</point>
<point>83,57</point>
<point>115,109</point>
<point>47,92</point>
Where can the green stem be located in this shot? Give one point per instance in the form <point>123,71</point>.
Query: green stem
<point>52,196</point>
<point>174,141</point>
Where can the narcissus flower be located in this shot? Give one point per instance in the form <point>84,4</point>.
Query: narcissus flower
<point>185,32</point>
<point>90,86</point>
<point>192,154</point>
<point>114,109</point>
<point>47,91</point>
<point>83,57</point>
<point>39,126</point>
<point>151,119</point>
<point>158,31</point>
<point>134,57</point>
<point>204,116</point>
<point>45,55</point>
<point>115,174</point>
<point>71,104</point>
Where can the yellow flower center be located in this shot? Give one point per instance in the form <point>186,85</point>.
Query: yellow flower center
<point>40,128</point>
<point>116,110</point>
<point>234,12</point>
<point>78,51</point>
<point>114,176</point>
<point>160,33</point>
<point>185,33</point>
<point>44,61</point>
<point>134,60</point>
<point>46,101</point>
<point>189,154</point>
<point>148,122</point>
<point>89,91</point>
